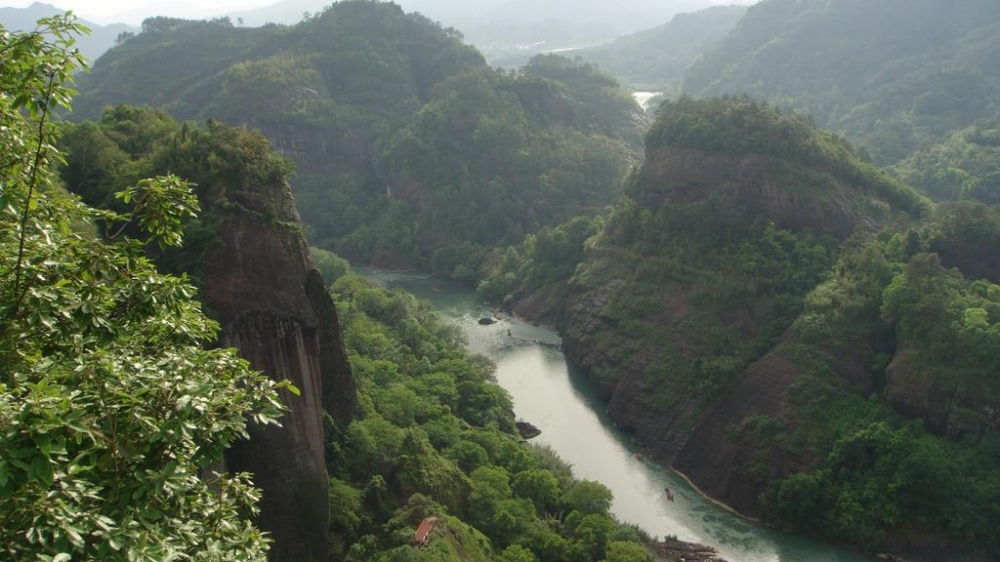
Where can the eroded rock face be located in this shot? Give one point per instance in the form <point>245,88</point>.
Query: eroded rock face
<point>756,185</point>
<point>949,405</point>
<point>722,468</point>
<point>649,383</point>
<point>273,307</point>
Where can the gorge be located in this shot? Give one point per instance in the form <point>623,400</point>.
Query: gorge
<point>562,403</point>
<point>810,338</point>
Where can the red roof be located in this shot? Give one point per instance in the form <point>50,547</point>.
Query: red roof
<point>424,530</point>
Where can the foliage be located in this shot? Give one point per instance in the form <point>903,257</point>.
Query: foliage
<point>888,88</point>
<point>741,126</point>
<point>879,472</point>
<point>962,166</point>
<point>130,143</point>
<point>544,259</point>
<point>437,433</point>
<point>112,412</point>
<point>405,141</point>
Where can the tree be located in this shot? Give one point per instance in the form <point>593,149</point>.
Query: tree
<point>123,37</point>
<point>112,412</point>
<point>622,551</point>
<point>539,486</point>
<point>588,496</point>
<point>517,553</point>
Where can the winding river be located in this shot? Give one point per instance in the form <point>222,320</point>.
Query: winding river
<point>548,394</point>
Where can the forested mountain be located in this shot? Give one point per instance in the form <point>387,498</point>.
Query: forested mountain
<point>805,337</point>
<point>423,433</point>
<point>656,59</point>
<point>406,143</point>
<point>801,333</point>
<point>92,45</point>
<point>892,75</point>
<point>118,400</point>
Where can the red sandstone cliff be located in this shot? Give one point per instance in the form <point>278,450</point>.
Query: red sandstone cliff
<point>274,308</point>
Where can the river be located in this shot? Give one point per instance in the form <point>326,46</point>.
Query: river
<point>562,404</point>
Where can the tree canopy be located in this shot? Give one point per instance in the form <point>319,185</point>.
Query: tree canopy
<point>113,414</point>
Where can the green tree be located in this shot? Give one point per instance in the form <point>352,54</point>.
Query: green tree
<point>588,496</point>
<point>539,486</point>
<point>622,551</point>
<point>517,553</point>
<point>112,412</point>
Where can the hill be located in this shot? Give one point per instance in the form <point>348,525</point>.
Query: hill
<point>407,144</point>
<point>656,59</point>
<point>889,88</point>
<point>774,316</point>
<point>100,39</point>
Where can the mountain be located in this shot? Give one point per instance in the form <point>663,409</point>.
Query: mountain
<point>799,333</point>
<point>656,59</point>
<point>509,32</point>
<point>249,256</point>
<point>410,150</point>
<point>890,88</point>
<point>394,426</point>
<point>92,46</point>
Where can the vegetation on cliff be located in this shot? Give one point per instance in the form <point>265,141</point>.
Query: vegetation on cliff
<point>435,436</point>
<point>221,162</point>
<point>684,293</point>
<point>112,412</point>
<point>406,142</point>
<point>906,442</point>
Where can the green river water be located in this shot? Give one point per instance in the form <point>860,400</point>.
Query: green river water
<point>561,403</point>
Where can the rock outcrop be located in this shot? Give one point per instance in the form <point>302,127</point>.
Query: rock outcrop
<point>681,313</point>
<point>755,186</point>
<point>273,307</point>
<point>947,404</point>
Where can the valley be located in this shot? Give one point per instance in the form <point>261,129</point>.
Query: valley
<point>764,237</point>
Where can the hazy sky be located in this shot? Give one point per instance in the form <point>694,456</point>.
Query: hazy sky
<point>134,11</point>
<point>108,11</point>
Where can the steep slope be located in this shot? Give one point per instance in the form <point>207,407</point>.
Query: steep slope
<point>390,118</point>
<point>656,59</point>
<point>734,216</point>
<point>273,307</point>
<point>249,255</point>
<point>769,314</point>
<point>888,87</point>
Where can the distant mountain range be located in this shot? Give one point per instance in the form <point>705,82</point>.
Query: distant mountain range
<point>101,37</point>
<point>656,59</point>
<point>508,32</point>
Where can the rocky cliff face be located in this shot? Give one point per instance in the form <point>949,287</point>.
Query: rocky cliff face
<point>757,186</point>
<point>655,384</point>
<point>949,405</point>
<point>273,307</point>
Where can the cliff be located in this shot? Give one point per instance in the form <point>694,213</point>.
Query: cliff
<point>762,314</point>
<point>734,216</point>
<point>274,308</point>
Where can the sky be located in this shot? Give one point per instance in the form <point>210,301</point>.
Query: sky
<point>134,11</point>
<point>131,11</point>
